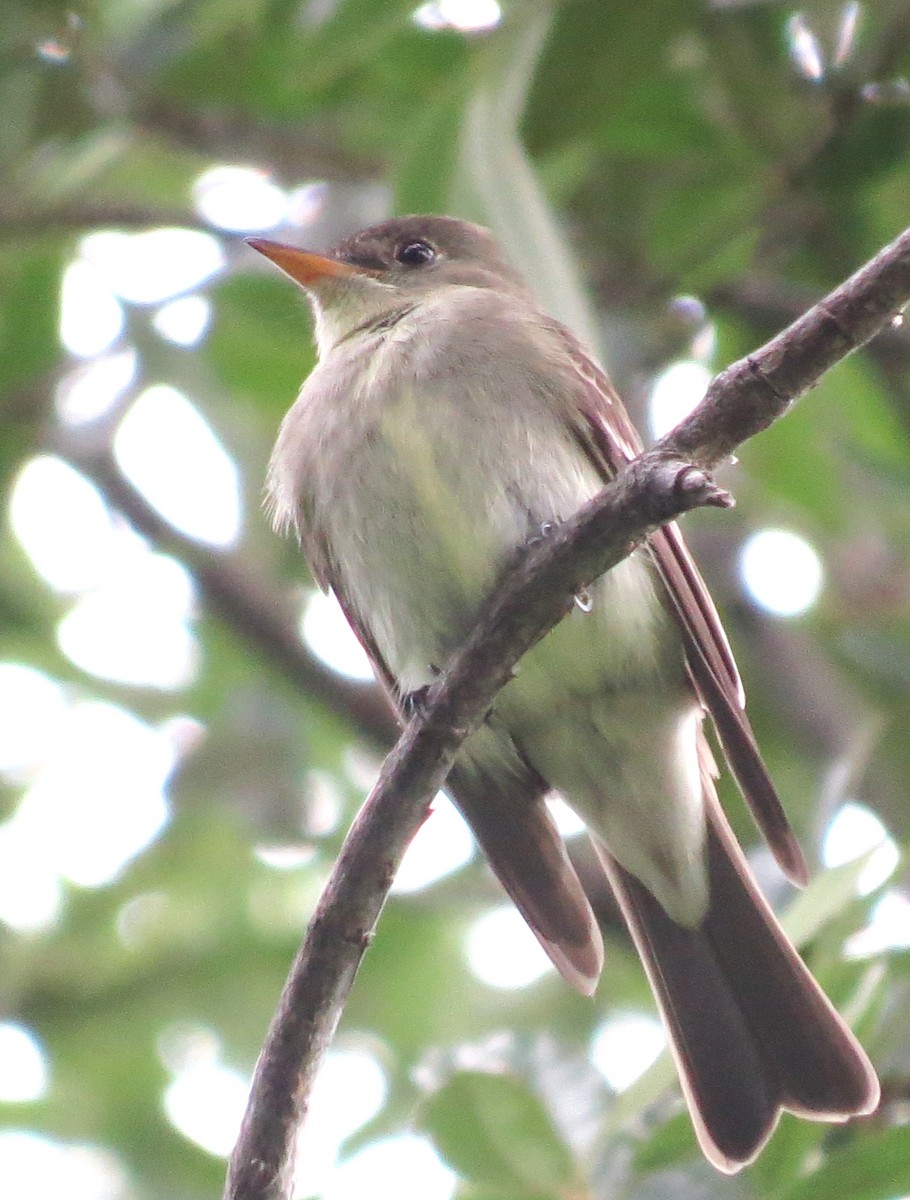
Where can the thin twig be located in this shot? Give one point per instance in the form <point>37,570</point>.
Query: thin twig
<point>742,401</point>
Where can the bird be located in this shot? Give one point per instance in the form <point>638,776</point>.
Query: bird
<point>449,421</point>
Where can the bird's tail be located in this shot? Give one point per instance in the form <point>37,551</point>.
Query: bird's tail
<point>751,1030</point>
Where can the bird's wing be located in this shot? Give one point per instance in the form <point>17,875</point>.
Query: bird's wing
<point>610,439</point>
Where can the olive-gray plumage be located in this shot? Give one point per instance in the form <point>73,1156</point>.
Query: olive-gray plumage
<point>448,422</point>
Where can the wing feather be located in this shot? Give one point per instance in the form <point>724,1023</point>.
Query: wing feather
<point>611,441</point>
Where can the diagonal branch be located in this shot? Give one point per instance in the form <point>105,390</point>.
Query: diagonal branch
<point>234,586</point>
<point>655,488</point>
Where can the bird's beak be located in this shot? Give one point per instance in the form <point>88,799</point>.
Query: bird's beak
<point>303,267</point>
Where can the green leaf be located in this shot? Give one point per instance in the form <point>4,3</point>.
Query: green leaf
<point>593,66</point>
<point>877,1167</point>
<point>425,173</point>
<point>260,343</point>
<point>30,288</point>
<point>492,1130</point>
<point>827,897</point>
<point>670,1143</point>
<point>650,1087</point>
<point>496,184</point>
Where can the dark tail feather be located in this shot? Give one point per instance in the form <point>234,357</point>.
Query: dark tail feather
<point>751,1030</point>
<point>515,831</point>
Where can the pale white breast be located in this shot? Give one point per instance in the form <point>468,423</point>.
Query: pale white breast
<point>423,462</point>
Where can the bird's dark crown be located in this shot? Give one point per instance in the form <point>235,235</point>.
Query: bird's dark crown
<point>433,246</point>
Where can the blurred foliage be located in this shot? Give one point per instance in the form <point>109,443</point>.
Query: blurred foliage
<point>679,147</point>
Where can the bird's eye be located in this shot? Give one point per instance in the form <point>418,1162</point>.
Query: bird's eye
<point>415,254</point>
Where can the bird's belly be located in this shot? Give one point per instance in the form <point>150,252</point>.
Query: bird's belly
<point>603,710</point>
<point>429,516</point>
<point>426,518</point>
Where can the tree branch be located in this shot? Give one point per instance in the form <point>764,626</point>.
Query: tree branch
<point>655,488</point>
<point>232,134</point>
<point>25,218</point>
<point>244,598</point>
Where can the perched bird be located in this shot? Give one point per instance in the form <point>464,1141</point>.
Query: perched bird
<point>448,422</point>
